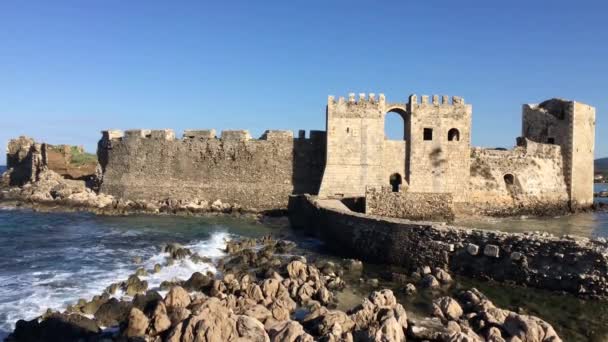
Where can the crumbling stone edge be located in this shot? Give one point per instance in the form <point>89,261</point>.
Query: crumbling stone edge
<point>571,264</point>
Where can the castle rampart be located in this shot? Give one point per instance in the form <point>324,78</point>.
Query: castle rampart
<point>257,174</point>
<point>549,170</point>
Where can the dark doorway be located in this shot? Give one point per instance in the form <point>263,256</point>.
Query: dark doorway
<point>509,179</point>
<point>395,181</point>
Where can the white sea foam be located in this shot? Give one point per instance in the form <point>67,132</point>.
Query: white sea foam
<point>29,294</point>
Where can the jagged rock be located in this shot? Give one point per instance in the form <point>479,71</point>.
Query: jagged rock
<point>259,312</point>
<point>429,281</point>
<point>55,328</point>
<point>297,270</point>
<point>134,285</point>
<point>144,301</point>
<point>112,312</point>
<point>177,298</point>
<point>331,318</point>
<point>250,329</point>
<point>157,268</point>
<point>450,309</point>
<point>390,330</point>
<point>442,276</point>
<point>137,324</point>
<point>530,329</point>
<point>159,319</point>
<point>288,331</point>
<point>410,289</point>
<point>197,281</point>
<point>178,314</point>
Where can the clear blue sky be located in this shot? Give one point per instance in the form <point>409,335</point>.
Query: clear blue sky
<point>71,68</point>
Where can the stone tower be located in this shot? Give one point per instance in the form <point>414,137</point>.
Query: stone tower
<point>570,125</point>
<point>439,145</point>
<point>355,136</point>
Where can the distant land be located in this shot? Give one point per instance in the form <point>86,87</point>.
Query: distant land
<point>601,165</point>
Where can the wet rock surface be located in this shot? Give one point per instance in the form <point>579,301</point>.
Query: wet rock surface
<point>263,293</point>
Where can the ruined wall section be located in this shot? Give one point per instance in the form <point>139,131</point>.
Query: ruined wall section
<point>438,164</point>
<point>528,179</point>
<point>255,174</point>
<point>570,125</point>
<point>382,201</point>
<point>582,157</point>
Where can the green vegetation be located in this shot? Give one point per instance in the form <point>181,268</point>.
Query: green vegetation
<point>79,157</point>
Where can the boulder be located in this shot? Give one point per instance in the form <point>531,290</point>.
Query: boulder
<point>112,312</point>
<point>250,329</point>
<point>449,307</point>
<point>288,331</point>
<point>137,324</point>
<point>177,298</point>
<point>530,329</point>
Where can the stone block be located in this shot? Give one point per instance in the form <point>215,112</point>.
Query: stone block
<point>472,249</point>
<point>492,251</point>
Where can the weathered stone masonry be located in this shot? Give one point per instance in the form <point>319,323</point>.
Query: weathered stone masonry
<point>572,264</point>
<point>255,174</point>
<point>550,169</point>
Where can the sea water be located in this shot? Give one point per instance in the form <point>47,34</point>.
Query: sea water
<point>50,260</point>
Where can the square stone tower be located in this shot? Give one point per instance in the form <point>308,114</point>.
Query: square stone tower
<point>440,141</point>
<point>570,125</point>
<point>355,141</point>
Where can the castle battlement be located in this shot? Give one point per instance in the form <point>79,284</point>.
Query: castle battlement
<point>436,100</point>
<point>362,99</point>
<point>209,134</point>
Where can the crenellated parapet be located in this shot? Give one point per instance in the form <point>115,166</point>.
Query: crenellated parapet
<point>435,100</point>
<point>199,134</point>
<point>361,105</point>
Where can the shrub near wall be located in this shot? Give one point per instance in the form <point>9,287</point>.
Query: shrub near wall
<point>409,205</point>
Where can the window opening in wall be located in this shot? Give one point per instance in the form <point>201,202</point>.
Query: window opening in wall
<point>347,129</point>
<point>453,135</point>
<point>551,140</point>
<point>428,134</point>
<point>509,179</point>
<point>395,181</point>
<point>394,125</point>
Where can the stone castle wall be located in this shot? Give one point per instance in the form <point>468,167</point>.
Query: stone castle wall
<point>409,205</point>
<point>570,264</point>
<point>527,178</point>
<point>254,174</point>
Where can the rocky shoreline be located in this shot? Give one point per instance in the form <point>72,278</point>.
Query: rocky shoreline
<point>52,192</point>
<point>263,292</point>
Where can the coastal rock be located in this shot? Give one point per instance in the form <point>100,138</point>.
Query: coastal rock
<point>112,312</point>
<point>177,298</point>
<point>55,328</point>
<point>159,321</point>
<point>250,329</point>
<point>449,308</point>
<point>429,282</point>
<point>288,331</point>
<point>134,285</point>
<point>137,324</point>
<point>197,281</point>
<point>530,329</point>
